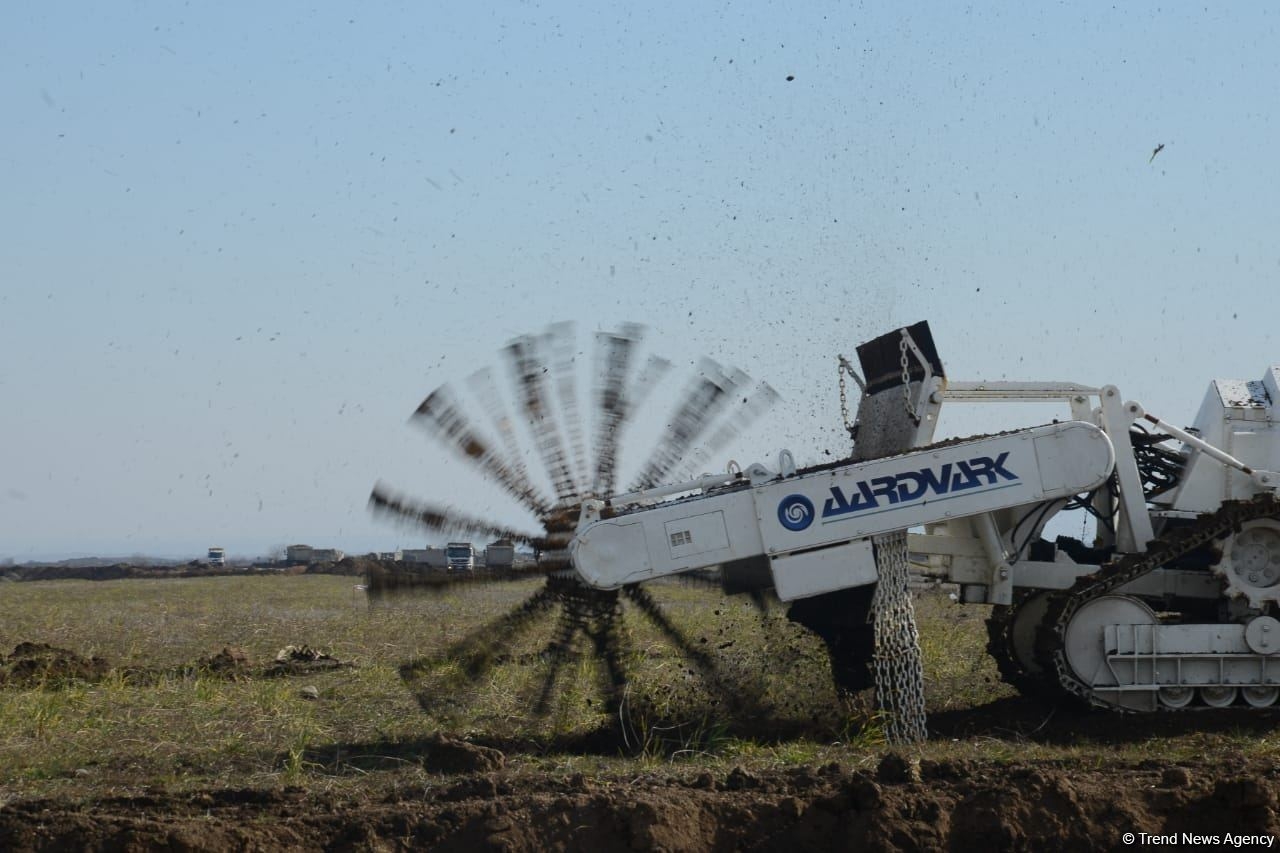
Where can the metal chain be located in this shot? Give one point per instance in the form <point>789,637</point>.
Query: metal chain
<point>896,661</point>
<point>906,379</point>
<point>842,367</point>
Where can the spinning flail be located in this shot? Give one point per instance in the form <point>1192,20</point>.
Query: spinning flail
<point>578,460</point>
<point>543,371</point>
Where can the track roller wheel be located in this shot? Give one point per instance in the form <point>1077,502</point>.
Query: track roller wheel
<point>1176,697</point>
<point>1220,696</point>
<point>1260,697</point>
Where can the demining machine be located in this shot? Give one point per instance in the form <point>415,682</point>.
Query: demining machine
<point>1173,603</point>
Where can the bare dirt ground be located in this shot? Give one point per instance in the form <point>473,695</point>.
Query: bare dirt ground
<point>171,748</point>
<point>900,802</point>
<point>930,806</point>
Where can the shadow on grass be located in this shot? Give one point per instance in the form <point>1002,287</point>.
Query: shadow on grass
<point>443,754</point>
<point>701,702</point>
<point>1012,720</point>
<point>1040,721</point>
<point>479,753</point>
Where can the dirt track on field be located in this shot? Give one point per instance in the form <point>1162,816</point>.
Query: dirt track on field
<point>933,806</point>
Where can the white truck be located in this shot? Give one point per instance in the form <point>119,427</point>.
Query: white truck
<point>462,557</point>
<point>217,556</point>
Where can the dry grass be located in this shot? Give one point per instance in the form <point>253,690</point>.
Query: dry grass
<point>197,729</point>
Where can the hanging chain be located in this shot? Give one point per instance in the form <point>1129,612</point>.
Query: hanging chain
<point>842,367</point>
<point>899,673</point>
<point>906,379</point>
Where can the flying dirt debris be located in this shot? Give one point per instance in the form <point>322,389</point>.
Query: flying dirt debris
<point>1172,605</point>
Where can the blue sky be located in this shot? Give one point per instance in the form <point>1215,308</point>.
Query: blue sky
<point>241,242</point>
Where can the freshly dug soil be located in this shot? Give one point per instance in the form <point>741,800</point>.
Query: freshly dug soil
<point>35,664</point>
<point>901,806</point>
<point>43,665</point>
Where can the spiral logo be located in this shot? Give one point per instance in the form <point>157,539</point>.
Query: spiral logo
<point>795,512</point>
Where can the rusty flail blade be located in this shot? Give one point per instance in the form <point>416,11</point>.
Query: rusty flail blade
<point>443,418</point>
<point>484,386</point>
<point>529,371</point>
<point>563,345</point>
<point>703,399</point>
<point>614,351</point>
<point>655,367</point>
<point>630,400</point>
<point>440,519</point>
<point>744,414</point>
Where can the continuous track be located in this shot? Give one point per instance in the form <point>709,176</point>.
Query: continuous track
<point>1175,543</point>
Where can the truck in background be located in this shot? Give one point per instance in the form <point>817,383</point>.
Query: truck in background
<point>217,556</point>
<point>462,556</point>
<point>302,555</point>
<point>500,556</point>
<point>431,558</point>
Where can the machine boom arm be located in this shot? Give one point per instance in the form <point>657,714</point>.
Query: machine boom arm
<point>815,526</point>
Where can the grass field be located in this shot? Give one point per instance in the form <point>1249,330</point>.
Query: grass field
<point>158,722</point>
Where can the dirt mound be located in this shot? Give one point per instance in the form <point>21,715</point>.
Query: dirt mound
<point>39,664</point>
<point>450,755</point>
<point>43,665</point>
<point>296,660</point>
<point>116,571</point>
<point>231,661</point>
<point>948,806</point>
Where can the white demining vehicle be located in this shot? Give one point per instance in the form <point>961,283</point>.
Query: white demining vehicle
<point>1174,604</point>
